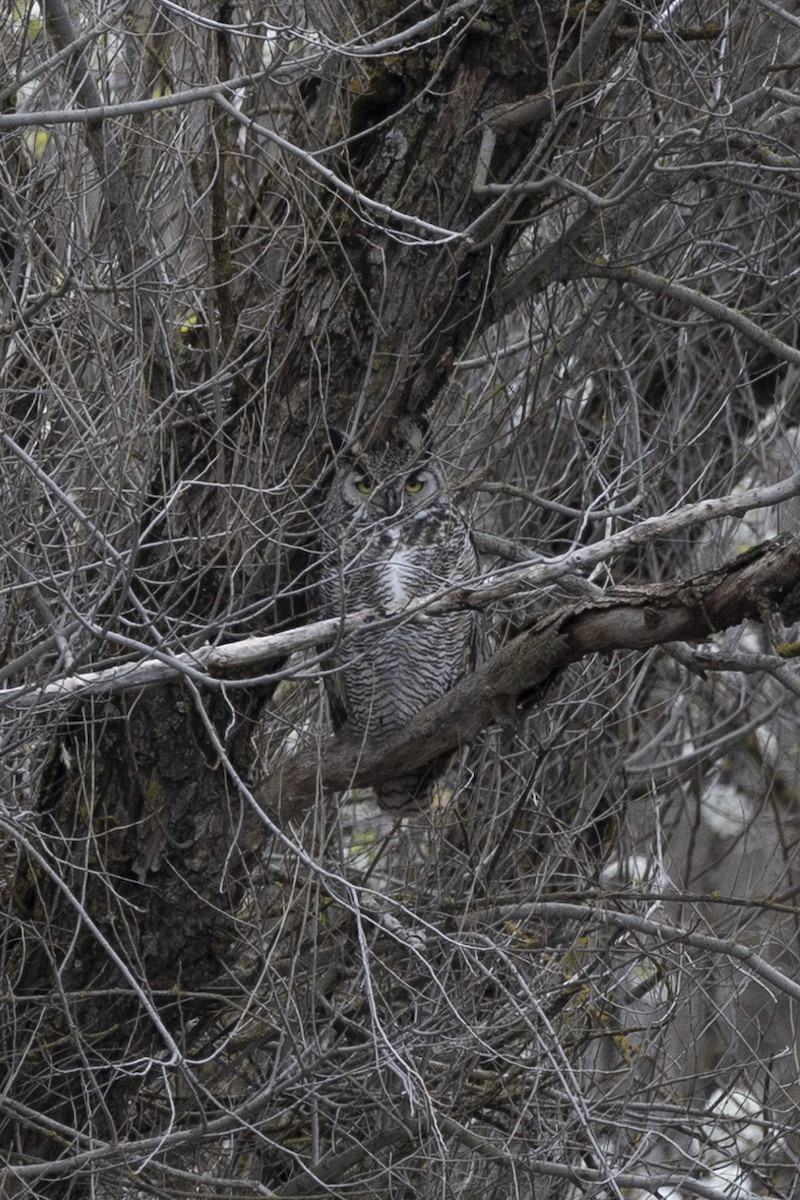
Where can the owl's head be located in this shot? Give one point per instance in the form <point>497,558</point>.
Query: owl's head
<point>393,476</point>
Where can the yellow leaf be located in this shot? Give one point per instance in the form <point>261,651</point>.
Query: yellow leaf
<point>28,16</point>
<point>36,140</point>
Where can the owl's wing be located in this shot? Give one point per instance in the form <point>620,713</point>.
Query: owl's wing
<point>331,603</point>
<point>469,567</point>
<point>474,642</point>
<point>336,693</point>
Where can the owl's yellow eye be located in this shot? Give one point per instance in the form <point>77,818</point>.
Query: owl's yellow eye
<point>364,485</point>
<point>413,484</point>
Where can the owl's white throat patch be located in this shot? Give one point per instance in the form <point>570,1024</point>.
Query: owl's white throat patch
<point>400,569</point>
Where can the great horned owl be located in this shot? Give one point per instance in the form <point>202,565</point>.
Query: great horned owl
<point>391,535</point>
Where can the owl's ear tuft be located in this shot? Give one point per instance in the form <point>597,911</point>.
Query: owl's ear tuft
<point>417,431</point>
<point>424,426</point>
<point>343,446</point>
<point>336,439</point>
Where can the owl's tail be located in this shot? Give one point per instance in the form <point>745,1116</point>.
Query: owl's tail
<point>404,793</point>
<point>409,793</point>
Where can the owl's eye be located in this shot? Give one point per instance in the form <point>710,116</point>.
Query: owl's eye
<point>364,485</point>
<point>413,484</point>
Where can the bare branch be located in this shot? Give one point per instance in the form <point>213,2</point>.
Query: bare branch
<point>208,664</point>
<point>703,303</point>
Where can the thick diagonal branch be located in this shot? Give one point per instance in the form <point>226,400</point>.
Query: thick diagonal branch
<point>625,619</point>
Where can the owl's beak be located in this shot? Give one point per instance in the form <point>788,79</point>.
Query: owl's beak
<point>390,501</point>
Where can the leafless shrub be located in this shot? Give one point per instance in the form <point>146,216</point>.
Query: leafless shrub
<point>571,235</point>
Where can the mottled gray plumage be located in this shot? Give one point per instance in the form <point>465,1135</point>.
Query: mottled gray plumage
<point>392,534</point>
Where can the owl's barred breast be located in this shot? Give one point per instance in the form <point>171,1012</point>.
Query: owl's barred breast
<point>387,675</point>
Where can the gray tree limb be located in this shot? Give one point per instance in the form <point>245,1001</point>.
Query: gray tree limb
<point>517,676</point>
